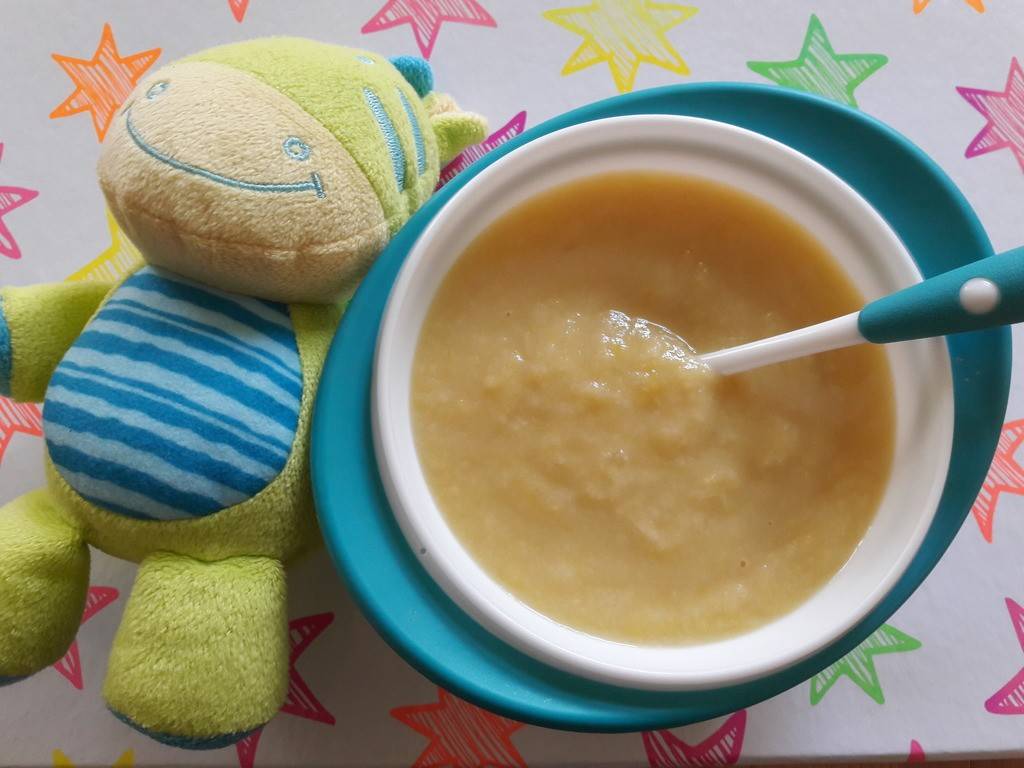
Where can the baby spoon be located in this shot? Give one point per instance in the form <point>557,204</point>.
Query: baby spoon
<point>980,295</point>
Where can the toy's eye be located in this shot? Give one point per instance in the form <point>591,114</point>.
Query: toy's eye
<point>156,89</point>
<point>296,148</point>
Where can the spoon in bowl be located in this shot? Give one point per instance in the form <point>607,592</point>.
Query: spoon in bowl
<point>983,294</point>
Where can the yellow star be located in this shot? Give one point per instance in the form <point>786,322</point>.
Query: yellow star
<point>623,33</point>
<point>120,258</point>
<point>60,760</point>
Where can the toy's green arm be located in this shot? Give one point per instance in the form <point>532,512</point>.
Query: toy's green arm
<point>38,324</point>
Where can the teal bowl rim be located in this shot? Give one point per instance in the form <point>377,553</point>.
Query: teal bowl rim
<point>429,631</point>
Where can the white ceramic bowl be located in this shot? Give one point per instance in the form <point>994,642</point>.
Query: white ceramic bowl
<point>861,242</point>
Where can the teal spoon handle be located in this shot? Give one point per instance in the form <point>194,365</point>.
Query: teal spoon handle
<point>980,295</point>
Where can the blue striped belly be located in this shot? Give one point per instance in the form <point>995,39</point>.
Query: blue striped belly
<point>176,401</point>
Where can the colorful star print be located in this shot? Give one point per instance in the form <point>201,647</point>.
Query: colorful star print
<point>623,34</point>
<point>126,760</point>
<point>103,82</point>
<point>1004,111</point>
<point>917,754</point>
<point>117,260</point>
<point>467,157</point>
<point>426,17</point>
<point>461,735</point>
<point>1004,475</point>
<point>819,69</point>
<point>18,417</point>
<point>300,700</point>
<point>978,5</point>
<point>1009,700</point>
<point>70,666</point>
<point>723,747</point>
<point>246,749</point>
<point>238,9</point>
<point>11,198</point>
<point>859,664</point>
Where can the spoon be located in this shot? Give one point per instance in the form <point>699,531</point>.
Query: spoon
<point>983,294</point>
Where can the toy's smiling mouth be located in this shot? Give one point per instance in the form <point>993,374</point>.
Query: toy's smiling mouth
<point>313,185</point>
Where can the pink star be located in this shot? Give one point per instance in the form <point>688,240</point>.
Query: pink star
<point>723,747</point>
<point>1009,700</point>
<point>426,16</point>
<point>11,198</point>
<point>300,700</point>
<point>70,666</point>
<point>1005,474</point>
<point>246,749</point>
<point>1005,113</point>
<point>917,754</point>
<point>467,157</point>
<point>18,417</point>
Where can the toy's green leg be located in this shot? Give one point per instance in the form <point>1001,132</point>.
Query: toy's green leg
<point>201,657</point>
<point>44,576</point>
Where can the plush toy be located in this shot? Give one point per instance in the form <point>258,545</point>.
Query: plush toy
<point>258,180</point>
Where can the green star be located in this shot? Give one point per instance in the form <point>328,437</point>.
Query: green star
<point>859,664</point>
<point>819,69</point>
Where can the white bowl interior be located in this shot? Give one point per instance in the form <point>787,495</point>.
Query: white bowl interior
<point>873,258</point>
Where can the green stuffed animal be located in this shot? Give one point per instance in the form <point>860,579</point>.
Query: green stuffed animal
<point>259,180</point>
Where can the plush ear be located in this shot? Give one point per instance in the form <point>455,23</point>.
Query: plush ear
<point>455,129</point>
<point>416,72</point>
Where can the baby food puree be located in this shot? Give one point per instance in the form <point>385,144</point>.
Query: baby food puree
<point>592,467</point>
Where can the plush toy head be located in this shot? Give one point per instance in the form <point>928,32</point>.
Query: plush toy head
<point>278,168</point>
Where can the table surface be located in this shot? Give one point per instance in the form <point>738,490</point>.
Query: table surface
<point>943,678</point>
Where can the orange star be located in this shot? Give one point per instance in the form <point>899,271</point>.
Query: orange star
<point>978,5</point>
<point>461,735</point>
<point>1005,475</point>
<point>18,417</point>
<point>103,82</point>
<point>238,9</point>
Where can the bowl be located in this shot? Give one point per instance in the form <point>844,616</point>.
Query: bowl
<point>861,242</point>
<point>437,637</point>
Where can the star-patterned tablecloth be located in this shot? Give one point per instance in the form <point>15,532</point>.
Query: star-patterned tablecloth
<point>943,677</point>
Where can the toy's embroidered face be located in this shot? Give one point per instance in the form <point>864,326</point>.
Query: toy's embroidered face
<point>294,148</point>
<point>219,177</point>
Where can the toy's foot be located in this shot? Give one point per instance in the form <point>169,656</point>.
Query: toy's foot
<point>185,742</point>
<point>44,576</point>
<point>201,657</point>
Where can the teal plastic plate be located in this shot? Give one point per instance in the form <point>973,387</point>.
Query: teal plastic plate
<point>435,636</point>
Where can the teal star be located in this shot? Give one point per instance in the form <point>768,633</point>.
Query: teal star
<point>859,664</point>
<point>819,69</point>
